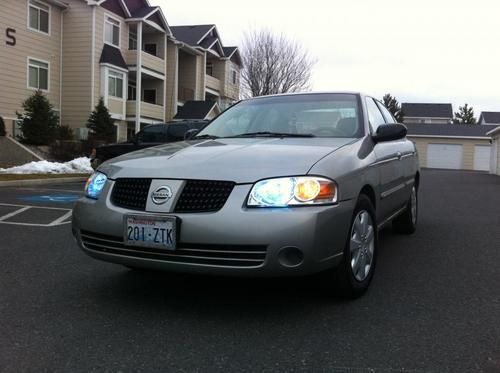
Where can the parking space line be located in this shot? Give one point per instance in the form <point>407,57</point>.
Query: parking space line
<point>57,222</point>
<point>14,213</point>
<point>60,220</point>
<point>34,207</point>
<point>79,191</point>
<point>34,224</point>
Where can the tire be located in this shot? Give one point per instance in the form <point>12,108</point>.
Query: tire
<point>406,223</point>
<point>351,277</point>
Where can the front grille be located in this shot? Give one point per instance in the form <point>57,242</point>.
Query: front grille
<point>197,195</point>
<point>131,193</point>
<point>244,256</point>
<point>204,196</point>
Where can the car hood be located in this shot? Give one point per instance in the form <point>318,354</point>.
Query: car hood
<point>238,160</point>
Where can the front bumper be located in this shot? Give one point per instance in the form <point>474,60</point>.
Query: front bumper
<point>316,234</point>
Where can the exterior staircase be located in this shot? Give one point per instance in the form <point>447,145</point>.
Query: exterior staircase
<point>13,153</point>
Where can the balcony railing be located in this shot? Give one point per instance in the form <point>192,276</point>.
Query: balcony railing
<point>213,83</point>
<point>147,110</point>
<point>148,60</point>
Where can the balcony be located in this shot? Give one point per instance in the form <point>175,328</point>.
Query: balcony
<point>148,61</point>
<point>213,83</point>
<point>147,110</point>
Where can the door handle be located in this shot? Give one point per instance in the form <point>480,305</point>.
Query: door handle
<point>399,155</point>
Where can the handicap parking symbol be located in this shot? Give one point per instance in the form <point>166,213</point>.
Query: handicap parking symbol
<point>57,198</point>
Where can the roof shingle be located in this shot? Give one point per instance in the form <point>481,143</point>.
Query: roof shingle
<point>190,35</point>
<point>490,117</point>
<point>112,56</point>
<point>427,110</point>
<point>463,130</point>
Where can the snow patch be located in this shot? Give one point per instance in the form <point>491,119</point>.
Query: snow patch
<point>76,166</point>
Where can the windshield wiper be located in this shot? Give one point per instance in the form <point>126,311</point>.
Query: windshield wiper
<point>211,137</point>
<point>273,134</point>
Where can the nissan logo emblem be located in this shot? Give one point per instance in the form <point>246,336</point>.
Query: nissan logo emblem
<point>161,195</point>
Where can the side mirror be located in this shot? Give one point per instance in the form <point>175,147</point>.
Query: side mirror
<point>191,133</point>
<point>390,132</point>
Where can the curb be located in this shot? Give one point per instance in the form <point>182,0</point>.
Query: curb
<point>31,182</point>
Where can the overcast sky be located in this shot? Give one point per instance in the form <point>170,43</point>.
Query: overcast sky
<point>420,51</point>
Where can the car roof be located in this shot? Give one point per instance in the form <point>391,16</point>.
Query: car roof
<point>311,93</point>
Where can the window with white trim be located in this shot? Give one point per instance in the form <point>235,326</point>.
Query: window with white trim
<point>38,75</point>
<point>112,31</point>
<point>39,16</point>
<point>235,77</point>
<point>115,84</point>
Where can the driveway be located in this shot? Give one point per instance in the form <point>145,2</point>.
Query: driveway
<point>434,304</point>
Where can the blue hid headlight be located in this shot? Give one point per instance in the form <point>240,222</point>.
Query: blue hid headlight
<point>95,185</point>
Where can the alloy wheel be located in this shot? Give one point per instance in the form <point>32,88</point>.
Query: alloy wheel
<point>362,245</point>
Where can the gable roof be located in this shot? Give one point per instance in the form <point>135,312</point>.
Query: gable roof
<point>143,12</point>
<point>195,110</point>
<point>448,130</point>
<point>490,117</point>
<point>427,110</point>
<point>192,34</point>
<point>112,56</point>
<point>228,51</point>
<point>494,131</point>
<point>233,54</point>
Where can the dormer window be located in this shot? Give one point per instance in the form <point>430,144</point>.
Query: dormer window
<point>39,17</point>
<point>112,31</point>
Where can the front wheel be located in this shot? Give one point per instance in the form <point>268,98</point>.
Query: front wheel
<point>354,274</point>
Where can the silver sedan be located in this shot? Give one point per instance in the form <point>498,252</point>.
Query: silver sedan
<point>275,186</point>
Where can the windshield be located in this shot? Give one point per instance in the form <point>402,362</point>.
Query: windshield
<point>308,115</point>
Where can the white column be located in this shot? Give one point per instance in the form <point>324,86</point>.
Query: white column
<point>165,77</point>
<point>138,87</point>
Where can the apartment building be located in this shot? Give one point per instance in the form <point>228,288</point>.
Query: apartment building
<point>30,54</point>
<point>77,51</point>
<point>202,55</point>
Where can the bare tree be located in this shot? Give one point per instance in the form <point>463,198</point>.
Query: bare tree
<point>274,64</point>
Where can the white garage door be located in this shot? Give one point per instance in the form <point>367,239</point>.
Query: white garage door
<point>445,156</point>
<point>482,157</point>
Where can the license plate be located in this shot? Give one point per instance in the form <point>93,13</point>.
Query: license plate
<point>151,231</point>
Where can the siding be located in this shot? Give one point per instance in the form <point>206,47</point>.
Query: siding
<point>115,106</point>
<point>187,73</point>
<point>200,77</point>
<point>426,120</point>
<point>231,91</point>
<point>468,148</point>
<point>76,103</point>
<point>172,79</point>
<point>14,59</point>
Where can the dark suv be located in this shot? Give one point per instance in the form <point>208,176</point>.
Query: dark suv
<point>152,135</point>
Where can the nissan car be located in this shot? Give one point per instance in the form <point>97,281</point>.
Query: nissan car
<point>284,185</point>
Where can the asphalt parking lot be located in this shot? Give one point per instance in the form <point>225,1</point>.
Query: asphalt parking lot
<point>434,304</point>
